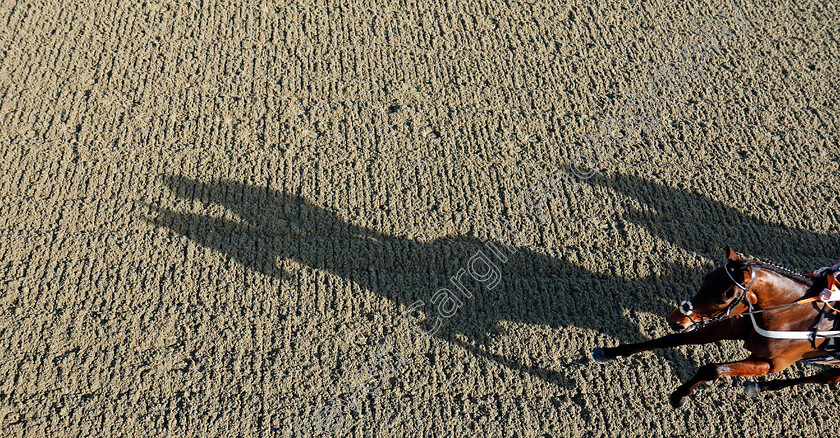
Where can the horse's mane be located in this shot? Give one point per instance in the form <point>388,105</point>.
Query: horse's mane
<point>784,271</point>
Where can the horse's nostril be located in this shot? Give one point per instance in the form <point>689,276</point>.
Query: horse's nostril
<point>675,327</point>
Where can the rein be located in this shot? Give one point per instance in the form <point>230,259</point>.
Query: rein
<point>687,309</point>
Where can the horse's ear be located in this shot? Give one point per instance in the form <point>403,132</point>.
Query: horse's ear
<point>731,255</point>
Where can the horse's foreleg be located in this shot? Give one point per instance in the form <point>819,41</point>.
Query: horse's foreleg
<point>703,335</point>
<point>824,377</point>
<point>747,367</point>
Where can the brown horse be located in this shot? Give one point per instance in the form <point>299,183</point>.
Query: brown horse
<point>773,310</point>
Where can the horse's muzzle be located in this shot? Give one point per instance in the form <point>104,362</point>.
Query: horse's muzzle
<point>678,321</point>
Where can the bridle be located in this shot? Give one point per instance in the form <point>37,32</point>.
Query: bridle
<point>687,308</point>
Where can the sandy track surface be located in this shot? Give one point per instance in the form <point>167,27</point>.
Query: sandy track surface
<point>216,214</point>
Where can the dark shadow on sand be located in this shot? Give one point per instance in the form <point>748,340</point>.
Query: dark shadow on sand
<point>535,289</point>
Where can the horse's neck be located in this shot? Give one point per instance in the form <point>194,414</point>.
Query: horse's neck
<point>773,289</point>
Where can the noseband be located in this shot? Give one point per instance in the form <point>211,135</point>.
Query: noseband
<point>687,308</point>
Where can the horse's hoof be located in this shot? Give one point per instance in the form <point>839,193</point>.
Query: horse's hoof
<point>677,402</point>
<point>752,389</point>
<point>598,355</point>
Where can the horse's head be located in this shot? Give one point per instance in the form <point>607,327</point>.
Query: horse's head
<point>722,294</point>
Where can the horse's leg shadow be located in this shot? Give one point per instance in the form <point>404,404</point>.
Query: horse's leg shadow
<point>548,375</point>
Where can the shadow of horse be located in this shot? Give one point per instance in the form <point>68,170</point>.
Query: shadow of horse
<point>268,227</point>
